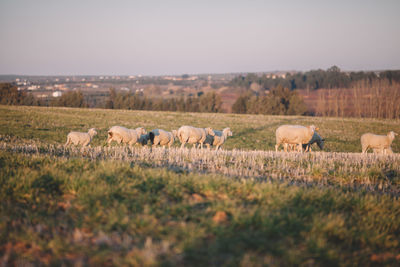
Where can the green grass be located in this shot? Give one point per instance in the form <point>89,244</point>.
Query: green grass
<point>55,211</point>
<point>142,207</point>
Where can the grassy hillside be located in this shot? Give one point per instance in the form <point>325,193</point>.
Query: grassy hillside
<point>150,207</point>
<point>251,132</point>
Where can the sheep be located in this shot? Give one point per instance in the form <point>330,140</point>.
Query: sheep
<point>123,135</point>
<point>79,138</point>
<point>161,137</point>
<point>294,134</point>
<point>218,139</point>
<point>193,135</point>
<point>379,143</point>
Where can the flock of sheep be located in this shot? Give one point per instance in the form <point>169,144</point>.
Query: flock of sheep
<point>289,136</point>
<point>185,134</point>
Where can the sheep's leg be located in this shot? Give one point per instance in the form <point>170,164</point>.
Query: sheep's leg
<point>285,147</point>
<point>276,147</point>
<point>68,141</point>
<point>308,148</point>
<point>300,147</point>
<point>364,149</point>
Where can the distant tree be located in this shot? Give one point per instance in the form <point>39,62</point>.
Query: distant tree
<point>111,99</point>
<point>210,102</point>
<point>70,99</point>
<point>240,105</point>
<point>279,101</point>
<point>9,95</point>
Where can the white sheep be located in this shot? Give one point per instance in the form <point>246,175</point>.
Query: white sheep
<point>79,138</point>
<point>123,135</point>
<point>162,138</point>
<point>218,139</point>
<point>293,134</point>
<point>379,143</point>
<point>193,135</point>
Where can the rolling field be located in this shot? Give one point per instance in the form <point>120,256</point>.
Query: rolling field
<point>244,206</point>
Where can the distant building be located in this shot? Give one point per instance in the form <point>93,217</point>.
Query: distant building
<point>57,94</point>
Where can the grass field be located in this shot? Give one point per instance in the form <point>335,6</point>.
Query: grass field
<point>245,206</point>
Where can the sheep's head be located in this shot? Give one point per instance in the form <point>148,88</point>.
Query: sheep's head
<point>141,131</point>
<point>321,143</point>
<point>313,128</point>
<point>392,135</point>
<point>174,133</point>
<point>210,131</point>
<point>227,132</point>
<point>92,132</point>
<point>144,139</point>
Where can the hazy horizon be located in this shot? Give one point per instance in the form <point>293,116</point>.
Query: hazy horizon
<point>152,38</point>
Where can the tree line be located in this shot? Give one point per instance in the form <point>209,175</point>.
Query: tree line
<point>208,102</point>
<point>278,101</point>
<point>333,77</point>
<point>369,97</point>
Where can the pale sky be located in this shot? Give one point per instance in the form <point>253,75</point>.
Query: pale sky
<point>82,37</point>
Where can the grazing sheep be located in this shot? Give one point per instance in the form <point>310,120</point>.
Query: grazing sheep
<point>79,138</point>
<point>376,142</point>
<point>123,135</point>
<point>218,139</point>
<point>193,135</point>
<point>162,138</point>
<point>294,134</point>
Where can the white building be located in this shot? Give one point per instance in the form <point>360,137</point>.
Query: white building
<point>57,94</point>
